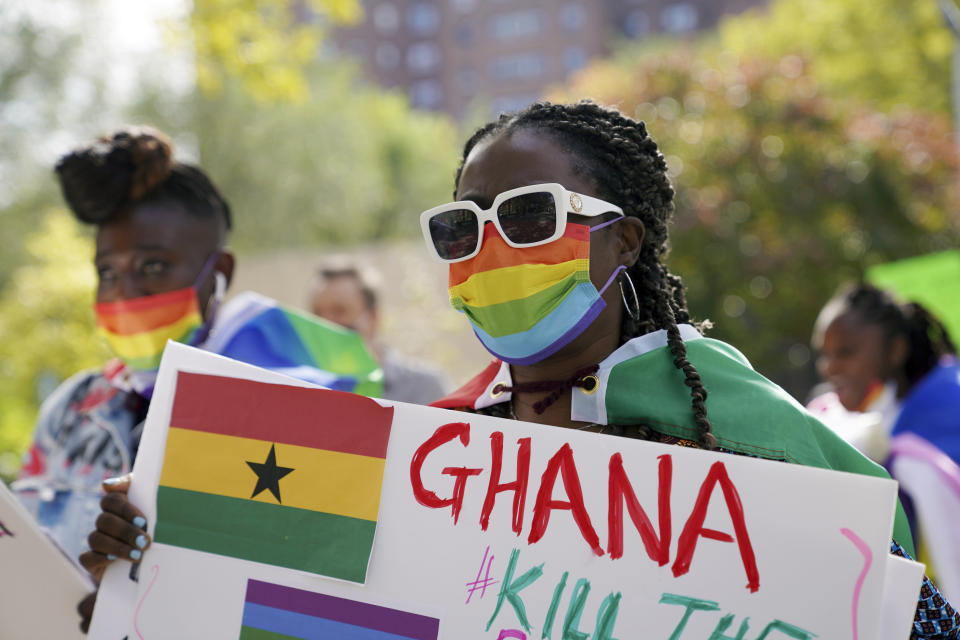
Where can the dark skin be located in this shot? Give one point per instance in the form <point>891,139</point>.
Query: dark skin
<point>529,157</point>
<point>494,166</point>
<point>154,248</point>
<point>854,354</point>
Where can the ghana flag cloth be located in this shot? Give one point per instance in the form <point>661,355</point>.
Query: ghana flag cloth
<point>275,612</point>
<point>281,475</point>
<point>257,330</point>
<point>638,383</point>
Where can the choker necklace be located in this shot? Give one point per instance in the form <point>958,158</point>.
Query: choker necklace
<point>584,378</point>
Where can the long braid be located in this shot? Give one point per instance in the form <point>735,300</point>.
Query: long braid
<point>627,168</point>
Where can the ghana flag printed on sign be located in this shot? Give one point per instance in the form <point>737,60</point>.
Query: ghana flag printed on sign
<point>274,474</point>
<point>275,612</point>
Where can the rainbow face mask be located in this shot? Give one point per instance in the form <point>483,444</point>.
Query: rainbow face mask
<point>137,330</point>
<point>527,304</point>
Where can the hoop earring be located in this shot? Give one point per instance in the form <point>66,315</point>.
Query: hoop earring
<point>635,310</point>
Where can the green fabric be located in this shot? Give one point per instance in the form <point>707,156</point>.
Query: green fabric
<point>922,280</point>
<point>339,350</point>
<point>264,532</point>
<point>739,399</point>
<point>513,316</point>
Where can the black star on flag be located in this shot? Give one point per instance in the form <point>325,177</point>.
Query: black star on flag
<point>268,474</point>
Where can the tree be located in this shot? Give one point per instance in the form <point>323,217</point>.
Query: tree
<point>46,321</point>
<point>782,191</point>
<point>263,43</point>
<point>888,52</point>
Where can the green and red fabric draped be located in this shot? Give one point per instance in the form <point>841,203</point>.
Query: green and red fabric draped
<point>638,383</point>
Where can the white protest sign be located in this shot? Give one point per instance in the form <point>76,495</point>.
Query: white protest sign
<point>601,538</point>
<point>42,586</point>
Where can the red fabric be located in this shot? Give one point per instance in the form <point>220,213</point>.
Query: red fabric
<point>466,396</point>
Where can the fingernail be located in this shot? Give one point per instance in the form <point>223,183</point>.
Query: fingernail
<point>110,556</point>
<point>140,521</point>
<point>135,554</point>
<point>141,541</point>
<point>112,481</point>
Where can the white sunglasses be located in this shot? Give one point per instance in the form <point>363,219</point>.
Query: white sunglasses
<point>525,217</point>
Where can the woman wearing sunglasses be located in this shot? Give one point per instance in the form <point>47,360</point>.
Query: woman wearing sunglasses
<point>555,248</point>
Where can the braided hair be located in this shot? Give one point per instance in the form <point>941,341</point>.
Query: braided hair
<point>130,167</point>
<point>627,168</point>
<point>926,337</point>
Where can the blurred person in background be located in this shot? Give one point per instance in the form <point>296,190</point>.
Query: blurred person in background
<point>163,268</point>
<point>348,296</point>
<point>892,368</point>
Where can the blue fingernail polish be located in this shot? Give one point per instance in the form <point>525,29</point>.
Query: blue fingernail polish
<point>110,556</point>
<point>112,481</point>
<point>141,541</point>
<point>140,521</point>
<point>135,554</point>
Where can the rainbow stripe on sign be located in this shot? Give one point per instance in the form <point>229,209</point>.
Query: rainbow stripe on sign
<point>275,612</point>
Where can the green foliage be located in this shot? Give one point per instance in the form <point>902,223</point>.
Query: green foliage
<point>263,43</point>
<point>353,164</point>
<point>46,323</point>
<point>889,52</point>
<point>783,191</point>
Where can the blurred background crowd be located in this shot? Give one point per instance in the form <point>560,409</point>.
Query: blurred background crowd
<point>811,143</point>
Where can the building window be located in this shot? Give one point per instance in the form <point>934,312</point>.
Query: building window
<point>386,18</point>
<point>426,94</point>
<point>464,34</point>
<point>637,24</point>
<point>516,24</point>
<point>521,65</point>
<point>574,58</point>
<point>423,57</point>
<point>508,104</point>
<point>387,56</point>
<point>679,18</point>
<point>423,18</point>
<point>573,17</point>
<point>467,78</point>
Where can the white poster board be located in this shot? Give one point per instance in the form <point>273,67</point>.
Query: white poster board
<point>755,549</point>
<point>42,587</point>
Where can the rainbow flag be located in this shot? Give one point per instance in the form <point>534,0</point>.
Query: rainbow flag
<point>275,612</point>
<point>275,474</point>
<point>554,279</point>
<point>134,328</point>
<point>258,330</point>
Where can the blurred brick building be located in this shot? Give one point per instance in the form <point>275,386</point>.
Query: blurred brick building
<point>451,54</point>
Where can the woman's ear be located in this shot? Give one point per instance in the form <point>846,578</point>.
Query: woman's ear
<point>630,232</point>
<point>225,264</point>
<point>898,353</point>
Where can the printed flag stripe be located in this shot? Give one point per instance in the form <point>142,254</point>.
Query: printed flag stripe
<point>404,623</point>
<point>298,416</point>
<point>512,283</point>
<point>127,322</point>
<point>141,345</point>
<point>339,483</point>
<point>139,304</point>
<point>298,625</point>
<point>509,317</point>
<point>249,633</point>
<point>335,546</point>
<point>496,252</point>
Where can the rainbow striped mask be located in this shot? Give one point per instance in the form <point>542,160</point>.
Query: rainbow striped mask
<point>527,304</point>
<point>137,330</point>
